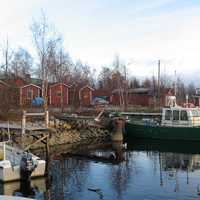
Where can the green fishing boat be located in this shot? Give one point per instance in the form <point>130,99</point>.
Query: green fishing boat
<point>177,123</point>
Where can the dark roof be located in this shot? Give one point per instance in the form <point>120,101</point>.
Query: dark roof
<point>36,81</point>
<point>140,90</point>
<point>134,91</point>
<point>117,91</point>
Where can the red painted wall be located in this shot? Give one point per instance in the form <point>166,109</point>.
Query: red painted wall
<point>58,94</point>
<point>114,99</point>
<point>27,100</point>
<point>86,96</point>
<point>139,99</point>
<point>133,99</point>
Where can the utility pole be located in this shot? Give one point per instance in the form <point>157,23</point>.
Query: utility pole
<point>159,82</point>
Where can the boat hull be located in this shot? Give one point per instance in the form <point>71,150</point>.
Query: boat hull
<point>160,132</point>
<point>13,173</point>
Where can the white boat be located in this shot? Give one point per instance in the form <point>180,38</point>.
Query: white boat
<point>3,197</point>
<point>10,169</point>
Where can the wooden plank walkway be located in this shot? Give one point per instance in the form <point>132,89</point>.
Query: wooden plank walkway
<point>73,117</point>
<point>16,126</point>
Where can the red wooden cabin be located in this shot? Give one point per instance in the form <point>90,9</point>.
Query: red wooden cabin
<point>28,92</point>
<point>137,97</point>
<point>140,97</point>
<point>86,95</point>
<point>59,94</point>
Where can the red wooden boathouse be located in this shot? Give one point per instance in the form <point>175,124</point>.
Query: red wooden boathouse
<point>28,92</point>
<point>136,97</point>
<point>59,94</point>
<point>86,95</point>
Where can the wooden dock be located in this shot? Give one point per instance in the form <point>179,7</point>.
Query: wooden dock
<point>19,127</point>
<point>68,117</point>
<point>23,126</point>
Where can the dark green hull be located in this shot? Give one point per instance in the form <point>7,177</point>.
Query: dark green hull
<point>159,132</point>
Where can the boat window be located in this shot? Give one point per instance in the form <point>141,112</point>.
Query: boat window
<point>194,113</point>
<point>168,114</point>
<point>184,116</point>
<point>175,114</point>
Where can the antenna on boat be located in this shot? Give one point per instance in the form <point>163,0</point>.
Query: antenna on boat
<point>186,97</point>
<point>175,84</point>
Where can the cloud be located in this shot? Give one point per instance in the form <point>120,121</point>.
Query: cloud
<point>95,30</point>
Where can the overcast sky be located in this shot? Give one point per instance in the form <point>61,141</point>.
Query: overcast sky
<point>140,31</point>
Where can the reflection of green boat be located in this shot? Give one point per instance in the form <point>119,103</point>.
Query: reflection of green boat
<point>177,123</point>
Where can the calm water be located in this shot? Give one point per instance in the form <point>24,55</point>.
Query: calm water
<point>150,170</point>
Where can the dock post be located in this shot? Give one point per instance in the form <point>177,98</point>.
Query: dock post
<point>47,119</point>
<point>117,134</point>
<point>24,122</point>
<point>47,155</point>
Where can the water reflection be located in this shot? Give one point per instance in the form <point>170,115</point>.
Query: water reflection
<point>138,170</point>
<point>34,189</point>
<point>69,176</point>
<point>143,170</point>
<point>120,174</point>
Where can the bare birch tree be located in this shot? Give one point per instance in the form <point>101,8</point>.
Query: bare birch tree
<point>61,67</point>
<point>6,56</point>
<point>45,40</point>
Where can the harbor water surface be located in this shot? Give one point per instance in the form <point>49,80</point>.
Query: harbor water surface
<point>150,170</point>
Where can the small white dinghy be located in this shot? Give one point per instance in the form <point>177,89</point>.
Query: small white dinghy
<point>3,197</point>
<point>12,164</point>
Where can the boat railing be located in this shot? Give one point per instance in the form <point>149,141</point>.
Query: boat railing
<point>191,122</point>
<point>11,153</point>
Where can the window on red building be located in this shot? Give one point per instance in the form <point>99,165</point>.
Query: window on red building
<point>29,94</point>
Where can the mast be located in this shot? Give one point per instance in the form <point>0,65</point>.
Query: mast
<point>175,83</point>
<point>159,82</point>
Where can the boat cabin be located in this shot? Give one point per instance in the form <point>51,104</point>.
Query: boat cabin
<point>180,117</point>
